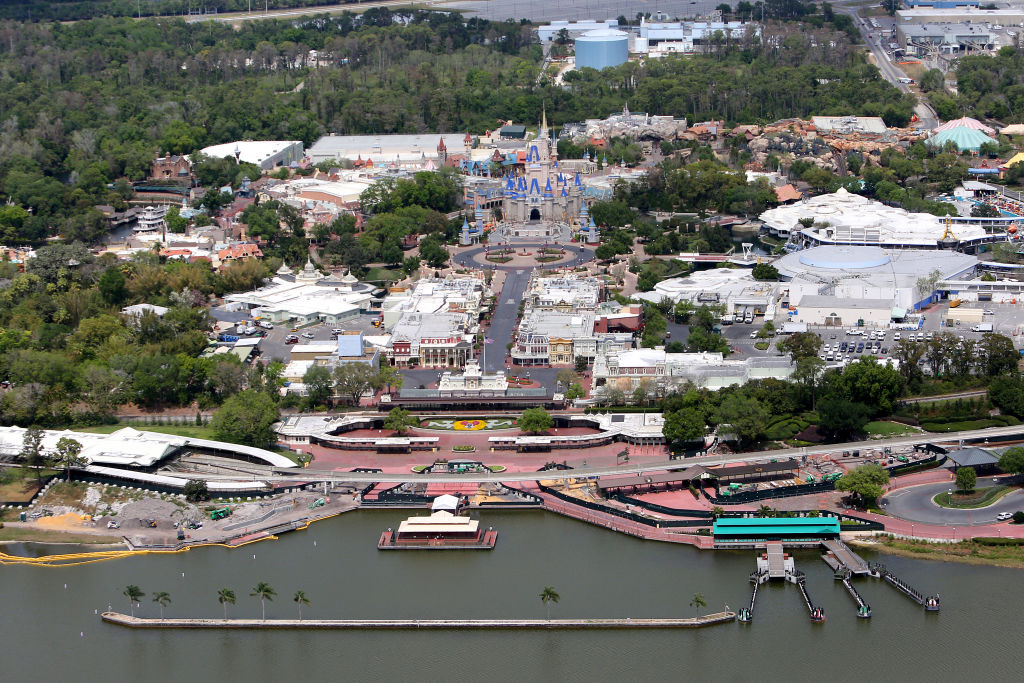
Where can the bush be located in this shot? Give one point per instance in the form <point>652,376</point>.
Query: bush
<point>1018,517</point>
<point>992,540</point>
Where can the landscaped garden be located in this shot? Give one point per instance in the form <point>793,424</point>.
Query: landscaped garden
<point>469,425</point>
<point>972,500</point>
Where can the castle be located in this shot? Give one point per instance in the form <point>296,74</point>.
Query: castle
<point>542,192</point>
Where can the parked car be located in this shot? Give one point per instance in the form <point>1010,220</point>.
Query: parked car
<point>113,525</point>
<point>307,335</point>
<point>291,339</point>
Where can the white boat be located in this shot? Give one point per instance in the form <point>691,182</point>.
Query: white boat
<point>151,219</point>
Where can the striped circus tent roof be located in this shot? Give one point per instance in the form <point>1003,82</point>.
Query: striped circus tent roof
<point>965,122</point>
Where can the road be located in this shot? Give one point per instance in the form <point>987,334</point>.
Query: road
<point>925,114</point>
<point>232,17</point>
<point>915,504</point>
<point>707,461</point>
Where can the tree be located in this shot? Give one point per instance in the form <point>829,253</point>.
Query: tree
<point>134,595</point>
<point>112,285</point>
<point>997,354</point>
<point>264,592</point>
<point>698,602</point>
<point>807,374</point>
<point>196,490</point>
<point>547,596</point>
<point>1007,394</point>
<point>1012,460</point>
<point>247,418</point>
<point>226,596</point>
<point>535,421</point>
<point>868,382</point>
<point>300,599</point>
<point>399,420</point>
<point>319,384</point>
<point>161,598</point>
<point>765,271</point>
<point>353,380</point>
<point>747,415</point>
<point>800,345</point>
<point>966,479</point>
<point>1018,517</point>
<point>69,455</point>
<point>891,6</point>
<point>684,425</point>
<point>840,418</point>
<point>32,454</point>
<point>566,377</point>
<point>867,481</point>
<point>766,511</point>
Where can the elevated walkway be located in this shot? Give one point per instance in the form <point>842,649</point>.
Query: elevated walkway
<point>776,561</point>
<point>846,557</point>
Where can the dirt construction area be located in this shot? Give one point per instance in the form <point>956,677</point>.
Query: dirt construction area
<point>147,518</point>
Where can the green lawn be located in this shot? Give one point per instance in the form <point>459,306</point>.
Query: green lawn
<point>979,498</point>
<point>882,428</point>
<point>376,274</point>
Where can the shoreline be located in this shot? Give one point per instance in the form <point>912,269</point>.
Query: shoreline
<point>935,553</point>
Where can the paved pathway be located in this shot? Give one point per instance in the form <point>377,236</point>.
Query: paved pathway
<point>915,504</point>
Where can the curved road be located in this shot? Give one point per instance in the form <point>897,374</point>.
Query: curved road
<point>467,257</point>
<point>631,468</point>
<point>915,504</point>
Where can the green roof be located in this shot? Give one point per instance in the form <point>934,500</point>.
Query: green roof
<point>965,139</point>
<point>747,527</point>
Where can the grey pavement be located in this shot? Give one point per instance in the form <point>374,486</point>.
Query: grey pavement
<point>915,504</point>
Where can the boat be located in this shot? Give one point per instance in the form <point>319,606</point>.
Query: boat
<point>443,529</point>
<point>864,612</point>
<point>931,603</point>
<point>151,219</point>
<point>746,615</point>
<point>818,615</point>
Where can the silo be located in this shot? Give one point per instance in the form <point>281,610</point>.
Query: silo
<point>602,48</point>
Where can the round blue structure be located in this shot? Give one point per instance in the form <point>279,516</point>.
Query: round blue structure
<point>844,258</point>
<point>602,48</point>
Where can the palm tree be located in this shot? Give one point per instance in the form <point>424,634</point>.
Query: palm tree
<point>226,596</point>
<point>547,596</point>
<point>716,512</point>
<point>698,601</point>
<point>134,594</point>
<point>264,592</point>
<point>161,598</point>
<point>300,599</point>
<point>765,511</point>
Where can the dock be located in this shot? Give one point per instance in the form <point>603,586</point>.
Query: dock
<point>816,613</point>
<point>417,624</point>
<point>863,608</point>
<point>486,541</point>
<point>845,557</point>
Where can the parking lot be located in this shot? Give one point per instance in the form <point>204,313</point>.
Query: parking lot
<point>273,346</point>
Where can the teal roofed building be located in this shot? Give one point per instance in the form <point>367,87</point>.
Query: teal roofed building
<point>966,139</point>
<point>747,529</point>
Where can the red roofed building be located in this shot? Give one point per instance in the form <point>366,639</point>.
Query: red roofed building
<point>238,251</point>
<point>788,193</point>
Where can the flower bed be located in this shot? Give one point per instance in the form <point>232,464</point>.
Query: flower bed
<point>469,425</point>
<point>464,449</point>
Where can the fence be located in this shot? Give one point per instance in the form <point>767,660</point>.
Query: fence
<point>597,507</point>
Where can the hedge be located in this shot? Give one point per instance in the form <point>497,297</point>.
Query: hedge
<point>992,540</point>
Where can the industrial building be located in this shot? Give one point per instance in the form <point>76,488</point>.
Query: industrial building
<point>574,28</point>
<point>267,154</point>
<point>385,149</point>
<point>627,370</point>
<point>844,218</point>
<point>938,14</point>
<point>602,48</point>
<point>920,39</point>
<point>855,274</point>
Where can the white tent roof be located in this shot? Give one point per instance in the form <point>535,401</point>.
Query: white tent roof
<point>445,502</point>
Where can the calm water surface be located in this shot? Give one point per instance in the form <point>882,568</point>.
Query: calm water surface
<point>49,631</point>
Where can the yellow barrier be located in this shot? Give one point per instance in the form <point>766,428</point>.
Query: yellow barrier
<point>76,559</point>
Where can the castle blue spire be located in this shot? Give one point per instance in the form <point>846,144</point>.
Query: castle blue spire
<point>547,189</point>
<point>534,187</point>
<point>577,178</point>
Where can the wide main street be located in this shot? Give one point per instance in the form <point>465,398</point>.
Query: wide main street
<point>628,468</point>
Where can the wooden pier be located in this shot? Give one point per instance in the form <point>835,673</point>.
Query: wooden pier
<point>417,624</point>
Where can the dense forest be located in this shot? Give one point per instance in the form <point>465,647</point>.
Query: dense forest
<point>73,10</point>
<point>87,103</point>
<point>988,87</point>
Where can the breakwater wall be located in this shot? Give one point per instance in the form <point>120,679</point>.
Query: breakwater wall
<point>417,624</point>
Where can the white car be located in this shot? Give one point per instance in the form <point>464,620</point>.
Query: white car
<point>753,335</point>
<point>307,335</point>
<point>1003,516</point>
